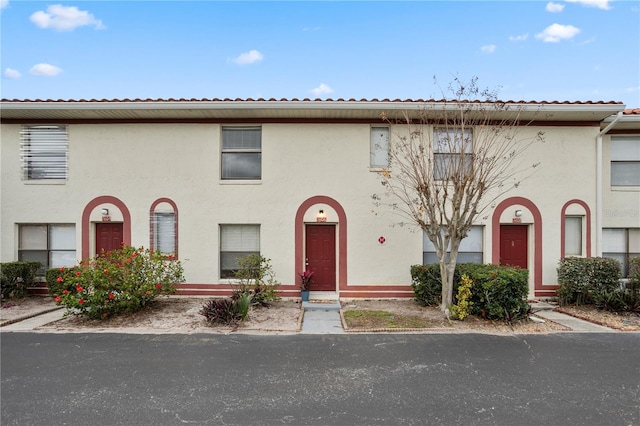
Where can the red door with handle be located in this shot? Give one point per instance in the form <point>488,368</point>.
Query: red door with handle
<point>109,237</point>
<point>513,245</point>
<point>321,256</point>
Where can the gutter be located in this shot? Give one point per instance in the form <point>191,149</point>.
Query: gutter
<point>599,165</point>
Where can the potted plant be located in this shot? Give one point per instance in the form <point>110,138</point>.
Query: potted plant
<point>306,278</point>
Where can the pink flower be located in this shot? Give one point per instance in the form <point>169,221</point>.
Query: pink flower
<point>81,301</point>
<point>58,299</point>
<point>158,286</point>
<point>65,292</point>
<point>111,296</point>
<point>78,274</point>
<point>106,271</point>
<point>79,288</point>
<point>59,279</point>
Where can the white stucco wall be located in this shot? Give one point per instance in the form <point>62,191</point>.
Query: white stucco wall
<point>140,163</point>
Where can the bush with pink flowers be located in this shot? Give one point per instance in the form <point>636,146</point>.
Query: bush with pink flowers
<point>124,280</point>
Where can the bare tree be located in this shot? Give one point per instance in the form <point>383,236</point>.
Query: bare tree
<point>449,161</point>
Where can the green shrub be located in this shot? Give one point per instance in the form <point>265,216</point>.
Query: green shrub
<point>257,279</point>
<point>55,287</point>
<point>462,308</point>
<point>634,270</point>
<point>15,277</point>
<point>582,279</point>
<point>498,292</point>
<point>613,300</point>
<point>124,280</point>
<point>426,284</point>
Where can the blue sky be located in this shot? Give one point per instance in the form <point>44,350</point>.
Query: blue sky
<point>577,50</point>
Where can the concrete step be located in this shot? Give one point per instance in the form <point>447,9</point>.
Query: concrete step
<point>543,306</point>
<point>314,305</point>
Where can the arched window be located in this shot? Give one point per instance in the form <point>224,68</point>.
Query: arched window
<point>163,227</point>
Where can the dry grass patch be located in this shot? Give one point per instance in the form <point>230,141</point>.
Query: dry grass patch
<point>384,319</point>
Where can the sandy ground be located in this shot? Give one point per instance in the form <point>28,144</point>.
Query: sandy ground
<point>181,315</point>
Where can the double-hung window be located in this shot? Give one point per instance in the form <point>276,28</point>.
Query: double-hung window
<point>452,153</point>
<point>241,153</point>
<point>53,245</point>
<point>43,151</point>
<point>621,244</point>
<point>573,236</point>
<point>470,250</point>
<point>237,241</point>
<point>164,233</point>
<point>379,147</point>
<point>625,161</point>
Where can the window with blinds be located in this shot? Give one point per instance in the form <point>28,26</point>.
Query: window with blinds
<point>470,251</point>
<point>164,233</point>
<point>43,151</point>
<point>452,153</point>
<point>573,236</point>
<point>53,245</point>
<point>379,147</point>
<point>621,244</point>
<point>625,161</point>
<point>241,153</point>
<point>237,241</point>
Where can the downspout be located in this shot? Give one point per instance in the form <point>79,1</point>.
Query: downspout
<point>599,209</point>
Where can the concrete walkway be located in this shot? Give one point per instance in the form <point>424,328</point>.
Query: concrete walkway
<point>321,318</point>
<point>546,311</point>
<point>33,322</point>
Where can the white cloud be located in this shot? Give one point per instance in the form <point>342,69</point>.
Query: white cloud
<point>323,89</point>
<point>600,4</point>
<point>65,18</point>
<point>556,32</point>
<point>521,37</point>
<point>249,57</point>
<point>554,7</point>
<point>490,48</point>
<point>11,73</point>
<point>4,3</point>
<point>45,69</point>
<point>633,89</point>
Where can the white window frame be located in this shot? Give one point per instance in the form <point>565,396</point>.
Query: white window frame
<point>44,152</point>
<point>236,241</point>
<point>450,145</point>
<point>56,253</point>
<point>625,161</point>
<point>471,247</point>
<point>621,244</point>
<point>573,236</point>
<point>379,147</point>
<point>164,232</point>
<point>228,150</point>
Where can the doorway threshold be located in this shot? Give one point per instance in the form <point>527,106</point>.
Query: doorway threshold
<point>321,296</point>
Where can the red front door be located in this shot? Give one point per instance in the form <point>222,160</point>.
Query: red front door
<point>321,256</point>
<point>513,245</point>
<point>108,237</point>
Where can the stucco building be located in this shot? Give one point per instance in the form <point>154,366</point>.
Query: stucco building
<point>210,180</point>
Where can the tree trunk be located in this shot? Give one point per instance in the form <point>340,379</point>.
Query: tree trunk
<point>447,270</point>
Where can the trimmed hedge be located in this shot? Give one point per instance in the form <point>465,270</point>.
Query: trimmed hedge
<point>426,284</point>
<point>498,292</point>
<point>16,276</point>
<point>582,279</point>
